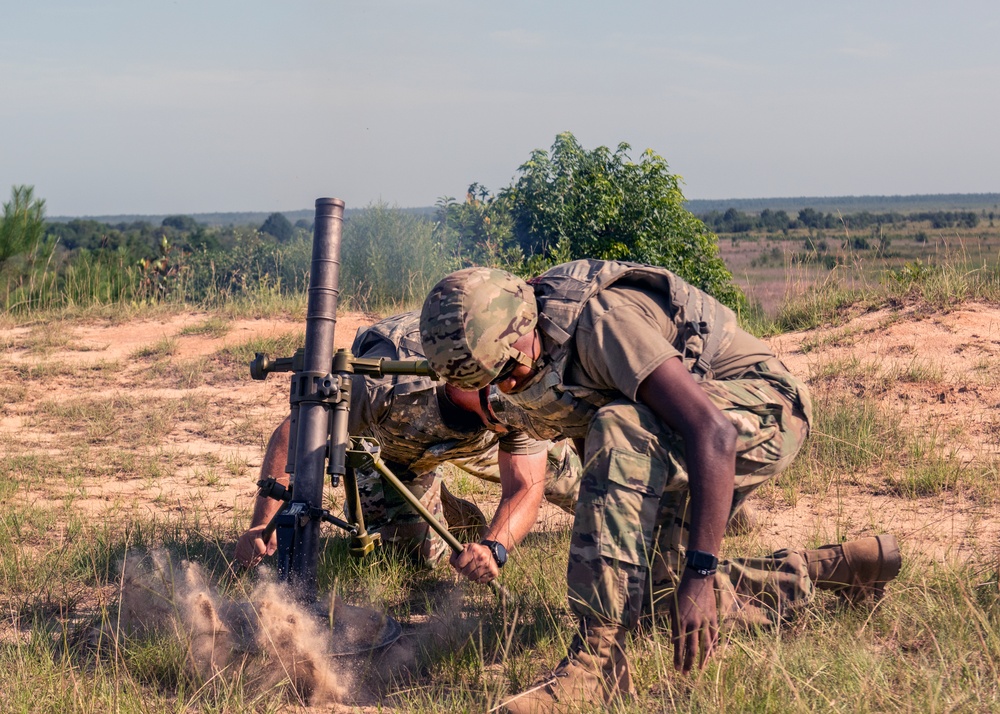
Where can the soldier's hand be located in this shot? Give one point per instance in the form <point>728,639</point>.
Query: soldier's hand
<point>695,621</point>
<point>250,548</point>
<point>476,563</point>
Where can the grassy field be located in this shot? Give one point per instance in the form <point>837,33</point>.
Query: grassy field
<point>778,269</point>
<point>130,433</point>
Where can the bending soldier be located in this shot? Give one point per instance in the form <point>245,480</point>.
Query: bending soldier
<point>421,424</point>
<point>683,415</point>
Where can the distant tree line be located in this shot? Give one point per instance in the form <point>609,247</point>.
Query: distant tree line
<point>83,261</point>
<point>853,204</point>
<point>564,203</point>
<point>768,221</point>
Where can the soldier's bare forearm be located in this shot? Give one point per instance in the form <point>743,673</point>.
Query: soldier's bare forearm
<point>710,448</point>
<point>273,466</point>
<point>522,479</point>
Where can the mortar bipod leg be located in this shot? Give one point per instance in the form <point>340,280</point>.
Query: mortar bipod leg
<point>431,521</point>
<point>362,542</point>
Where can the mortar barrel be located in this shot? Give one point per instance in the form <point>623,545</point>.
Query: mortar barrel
<point>313,422</point>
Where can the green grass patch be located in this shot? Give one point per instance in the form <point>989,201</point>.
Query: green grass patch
<point>918,371</point>
<point>12,393</point>
<point>164,347</point>
<point>855,441</point>
<point>180,374</point>
<point>934,641</point>
<point>43,340</point>
<point>100,369</point>
<point>120,417</point>
<point>214,326</point>
<point>939,287</point>
<point>280,346</point>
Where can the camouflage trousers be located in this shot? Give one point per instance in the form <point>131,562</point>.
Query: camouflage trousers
<point>402,528</point>
<point>631,525</point>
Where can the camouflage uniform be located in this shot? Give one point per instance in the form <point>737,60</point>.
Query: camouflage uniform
<point>419,433</point>
<point>631,528</point>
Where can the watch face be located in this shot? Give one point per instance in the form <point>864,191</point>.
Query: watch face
<point>498,551</point>
<point>704,563</point>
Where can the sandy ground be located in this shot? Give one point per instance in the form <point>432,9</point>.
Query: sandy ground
<point>939,373</point>
<point>211,456</point>
<point>148,418</point>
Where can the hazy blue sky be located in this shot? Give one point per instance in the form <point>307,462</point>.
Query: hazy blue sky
<point>189,106</point>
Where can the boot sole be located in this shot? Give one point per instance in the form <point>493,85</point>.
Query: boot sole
<point>458,517</point>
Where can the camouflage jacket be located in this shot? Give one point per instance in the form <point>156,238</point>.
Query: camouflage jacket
<point>404,412</point>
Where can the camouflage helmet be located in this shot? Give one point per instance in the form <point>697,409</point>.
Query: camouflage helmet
<point>470,321</point>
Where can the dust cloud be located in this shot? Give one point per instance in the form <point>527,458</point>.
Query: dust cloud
<point>262,639</point>
<point>265,638</point>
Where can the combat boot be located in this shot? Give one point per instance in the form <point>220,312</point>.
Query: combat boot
<point>465,521</point>
<point>856,570</point>
<point>593,673</point>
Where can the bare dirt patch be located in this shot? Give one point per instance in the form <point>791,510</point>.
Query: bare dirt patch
<point>199,444</point>
<point>938,375</point>
<point>938,371</point>
<point>204,458</point>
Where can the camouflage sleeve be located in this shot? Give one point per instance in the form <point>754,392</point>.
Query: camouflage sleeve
<point>361,407</point>
<point>371,398</point>
<point>518,442</point>
<point>623,335</point>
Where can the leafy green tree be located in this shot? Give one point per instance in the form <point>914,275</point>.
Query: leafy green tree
<point>278,226</point>
<point>809,218</point>
<point>185,224</point>
<point>22,228</point>
<point>573,203</point>
<point>477,232</point>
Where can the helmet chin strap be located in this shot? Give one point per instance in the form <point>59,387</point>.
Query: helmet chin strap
<point>521,357</point>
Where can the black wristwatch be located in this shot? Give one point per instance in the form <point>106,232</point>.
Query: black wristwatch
<point>701,562</point>
<point>498,551</point>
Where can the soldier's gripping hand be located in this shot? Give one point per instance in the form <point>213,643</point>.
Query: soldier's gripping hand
<point>475,562</point>
<point>251,549</point>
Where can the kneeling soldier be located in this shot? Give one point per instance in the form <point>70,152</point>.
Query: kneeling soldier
<point>682,415</point>
<point>422,424</point>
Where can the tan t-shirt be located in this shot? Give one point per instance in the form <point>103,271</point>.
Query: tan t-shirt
<point>624,333</point>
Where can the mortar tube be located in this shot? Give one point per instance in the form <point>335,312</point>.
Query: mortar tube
<point>313,422</point>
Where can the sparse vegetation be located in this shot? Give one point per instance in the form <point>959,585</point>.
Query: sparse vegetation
<point>164,347</point>
<point>61,579</point>
<point>102,458</point>
<point>243,352</point>
<point>213,326</point>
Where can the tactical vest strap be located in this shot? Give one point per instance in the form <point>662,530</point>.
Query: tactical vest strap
<point>553,330</point>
